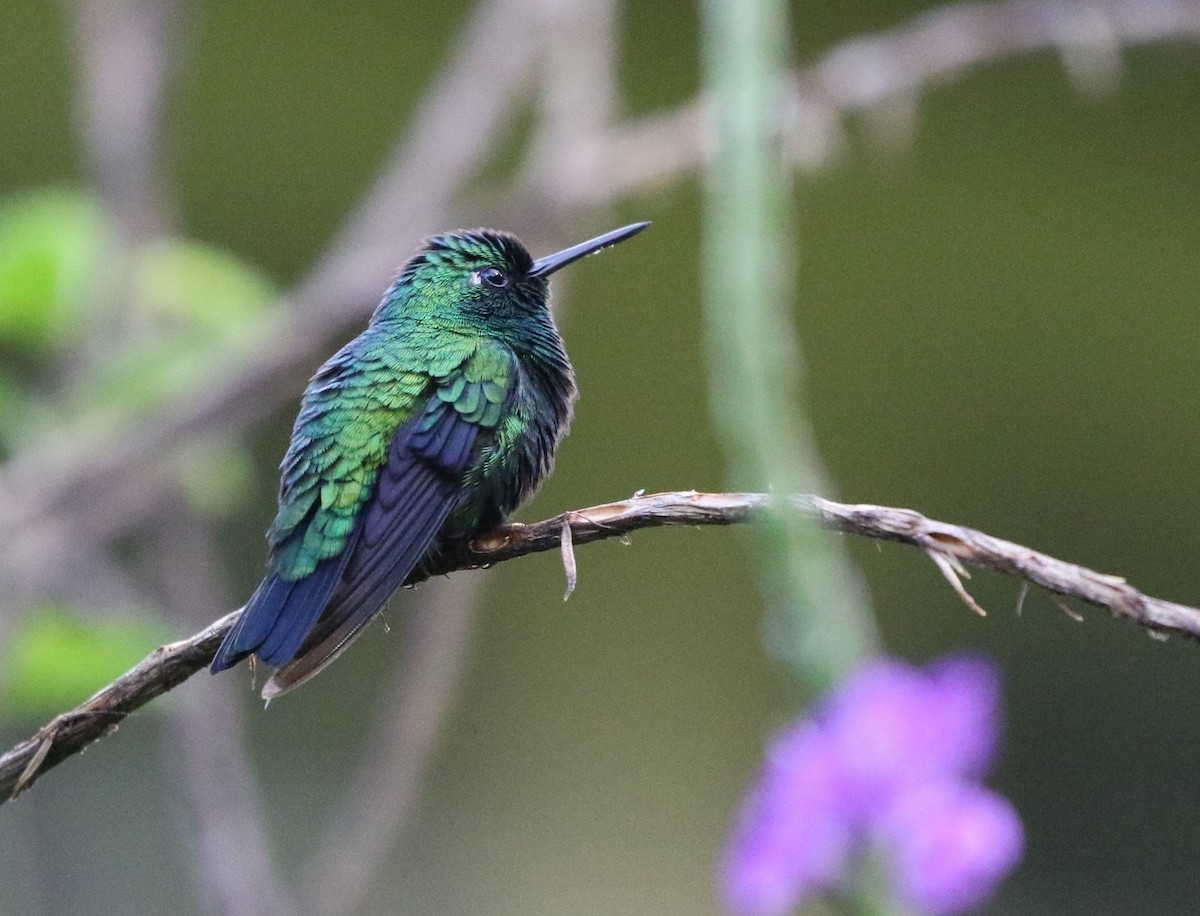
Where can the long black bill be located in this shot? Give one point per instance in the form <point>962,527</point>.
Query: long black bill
<point>543,267</point>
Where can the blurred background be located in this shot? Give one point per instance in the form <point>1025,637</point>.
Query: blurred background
<point>996,282</point>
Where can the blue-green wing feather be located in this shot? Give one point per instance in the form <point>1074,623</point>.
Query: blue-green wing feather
<point>352,527</point>
<point>312,538</point>
<point>417,489</point>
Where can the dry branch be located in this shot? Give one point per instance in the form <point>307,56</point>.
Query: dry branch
<point>951,546</point>
<point>882,76</point>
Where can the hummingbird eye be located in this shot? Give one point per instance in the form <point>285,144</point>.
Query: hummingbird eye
<point>494,277</point>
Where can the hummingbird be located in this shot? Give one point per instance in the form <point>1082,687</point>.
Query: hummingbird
<point>433,425</point>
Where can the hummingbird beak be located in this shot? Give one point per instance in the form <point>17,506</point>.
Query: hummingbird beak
<point>543,267</point>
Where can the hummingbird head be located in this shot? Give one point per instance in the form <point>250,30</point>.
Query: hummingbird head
<point>483,274</point>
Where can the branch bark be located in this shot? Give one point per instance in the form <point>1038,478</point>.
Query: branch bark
<point>951,547</point>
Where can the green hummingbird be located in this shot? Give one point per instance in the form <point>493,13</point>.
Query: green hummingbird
<point>434,424</point>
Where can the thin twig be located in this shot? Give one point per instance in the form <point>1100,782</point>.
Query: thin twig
<point>124,53</point>
<point>954,573</point>
<point>172,664</point>
<point>883,76</point>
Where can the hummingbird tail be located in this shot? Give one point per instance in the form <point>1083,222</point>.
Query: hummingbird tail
<point>279,615</point>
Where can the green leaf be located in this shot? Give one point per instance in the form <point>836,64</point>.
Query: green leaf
<point>52,244</point>
<point>190,286</point>
<point>216,476</point>
<point>190,305</point>
<point>55,659</point>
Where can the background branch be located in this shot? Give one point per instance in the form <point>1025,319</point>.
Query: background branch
<point>52,495</point>
<point>882,75</point>
<point>951,546</point>
<point>125,50</point>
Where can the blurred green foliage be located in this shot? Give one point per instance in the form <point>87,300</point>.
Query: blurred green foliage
<point>90,326</point>
<point>216,474</point>
<point>94,329</point>
<point>52,245</point>
<point>54,658</point>
<point>183,301</point>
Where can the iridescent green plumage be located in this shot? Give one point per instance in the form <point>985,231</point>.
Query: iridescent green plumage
<point>435,423</point>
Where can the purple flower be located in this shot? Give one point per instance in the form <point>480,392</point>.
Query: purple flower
<point>951,844</point>
<point>791,838</point>
<point>895,726</point>
<point>887,758</point>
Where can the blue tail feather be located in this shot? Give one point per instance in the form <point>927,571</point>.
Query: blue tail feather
<point>280,614</point>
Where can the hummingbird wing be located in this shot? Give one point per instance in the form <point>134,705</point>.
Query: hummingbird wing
<point>338,442</point>
<point>302,624</point>
<point>418,487</point>
<point>415,490</point>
